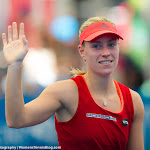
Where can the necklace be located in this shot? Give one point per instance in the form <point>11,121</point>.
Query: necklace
<point>104,102</point>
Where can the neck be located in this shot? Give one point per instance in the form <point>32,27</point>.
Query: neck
<point>104,85</point>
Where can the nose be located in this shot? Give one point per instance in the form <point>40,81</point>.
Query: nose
<point>105,52</point>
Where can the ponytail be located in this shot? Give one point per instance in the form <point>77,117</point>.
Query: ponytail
<point>77,72</point>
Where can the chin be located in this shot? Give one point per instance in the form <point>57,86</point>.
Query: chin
<point>106,74</point>
<point>103,72</point>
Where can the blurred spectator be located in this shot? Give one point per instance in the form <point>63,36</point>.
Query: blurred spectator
<point>128,73</point>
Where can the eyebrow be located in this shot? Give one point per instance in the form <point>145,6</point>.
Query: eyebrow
<point>101,42</point>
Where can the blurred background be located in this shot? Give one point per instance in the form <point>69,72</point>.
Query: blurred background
<point>51,27</point>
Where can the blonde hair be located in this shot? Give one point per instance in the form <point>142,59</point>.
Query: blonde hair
<point>77,72</point>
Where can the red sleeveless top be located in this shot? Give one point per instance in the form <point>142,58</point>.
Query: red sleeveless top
<point>94,128</point>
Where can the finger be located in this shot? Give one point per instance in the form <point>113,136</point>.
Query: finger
<point>4,39</point>
<point>15,32</point>
<point>21,32</point>
<point>9,33</point>
<point>24,40</point>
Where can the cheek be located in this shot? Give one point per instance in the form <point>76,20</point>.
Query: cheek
<point>88,55</point>
<point>91,54</point>
<point>91,59</point>
<point>116,55</point>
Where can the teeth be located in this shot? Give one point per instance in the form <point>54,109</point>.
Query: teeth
<point>105,62</point>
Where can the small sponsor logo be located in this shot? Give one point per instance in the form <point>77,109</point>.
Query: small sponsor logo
<point>103,26</point>
<point>125,122</point>
<point>92,115</point>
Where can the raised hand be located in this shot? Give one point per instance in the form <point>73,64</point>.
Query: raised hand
<point>16,48</point>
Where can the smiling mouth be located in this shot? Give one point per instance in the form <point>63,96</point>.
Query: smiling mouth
<point>105,62</point>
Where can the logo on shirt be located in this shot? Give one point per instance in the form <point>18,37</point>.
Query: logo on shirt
<point>125,122</point>
<point>100,116</point>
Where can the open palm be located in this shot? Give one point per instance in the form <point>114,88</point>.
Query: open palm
<point>17,47</point>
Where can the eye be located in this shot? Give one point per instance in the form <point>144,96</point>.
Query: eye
<point>111,45</point>
<point>96,46</point>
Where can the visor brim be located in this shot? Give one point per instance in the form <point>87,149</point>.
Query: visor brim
<point>96,34</point>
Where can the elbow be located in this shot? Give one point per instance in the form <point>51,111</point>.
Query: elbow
<point>13,125</point>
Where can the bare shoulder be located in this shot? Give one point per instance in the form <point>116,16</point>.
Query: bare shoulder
<point>138,104</point>
<point>63,90</point>
<point>135,141</point>
<point>63,86</point>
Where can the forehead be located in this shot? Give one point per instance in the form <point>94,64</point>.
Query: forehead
<point>105,37</point>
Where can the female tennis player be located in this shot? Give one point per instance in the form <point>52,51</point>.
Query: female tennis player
<point>92,110</point>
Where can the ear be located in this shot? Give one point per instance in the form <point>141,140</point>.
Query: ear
<point>81,50</point>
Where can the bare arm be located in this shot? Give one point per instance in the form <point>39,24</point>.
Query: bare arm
<point>135,141</point>
<point>17,114</point>
<point>14,51</point>
<point>37,111</point>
